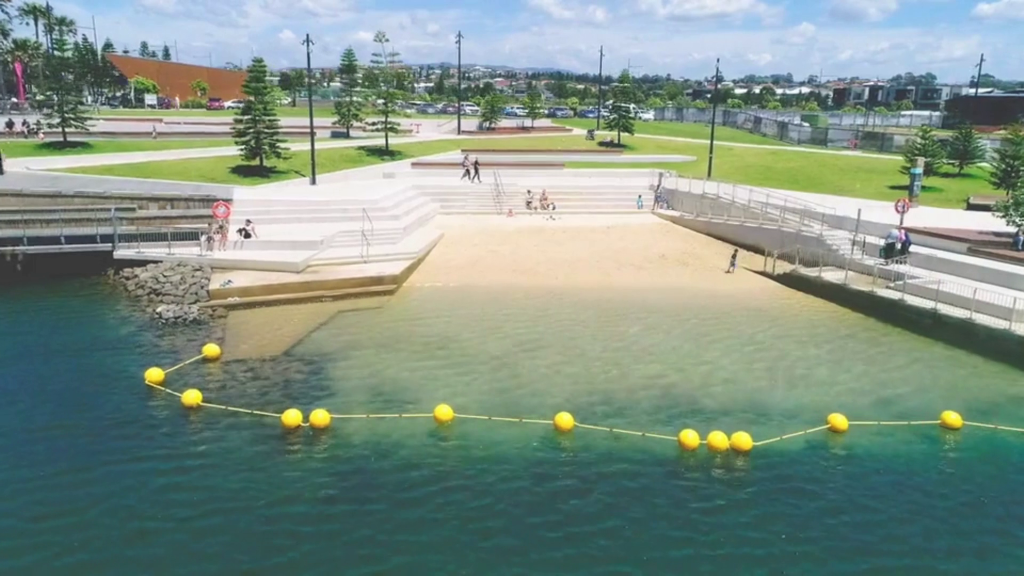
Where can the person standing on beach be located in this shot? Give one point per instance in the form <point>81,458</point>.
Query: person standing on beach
<point>732,261</point>
<point>639,201</point>
<point>476,170</point>
<point>465,169</point>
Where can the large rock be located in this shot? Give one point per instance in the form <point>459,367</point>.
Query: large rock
<point>172,288</point>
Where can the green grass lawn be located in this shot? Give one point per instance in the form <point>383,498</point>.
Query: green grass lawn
<point>32,148</point>
<point>789,169</point>
<point>683,130</point>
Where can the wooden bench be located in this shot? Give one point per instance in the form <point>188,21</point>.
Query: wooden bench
<point>1004,254</point>
<point>982,203</point>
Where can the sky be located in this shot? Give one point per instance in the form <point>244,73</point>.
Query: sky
<point>834,38</point>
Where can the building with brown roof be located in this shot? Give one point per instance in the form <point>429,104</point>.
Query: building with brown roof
<point>175,78</point>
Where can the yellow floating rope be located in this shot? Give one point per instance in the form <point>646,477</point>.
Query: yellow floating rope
<point>185,363</point>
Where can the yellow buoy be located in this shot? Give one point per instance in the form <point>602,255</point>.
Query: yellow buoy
<point>718,441</point>
<point>837,423</point>
<point>564,422</point>
<point>689,440</point>
<point>319,419</point>
<point>951,420</point>
<point>211,352</point>
<point>291,418</point>
<point>191,398</point>
<point>741,442</point>
<point>443,414</point>
<point>155,376</point>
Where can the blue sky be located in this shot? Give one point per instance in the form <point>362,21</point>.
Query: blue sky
<point>868,38</point>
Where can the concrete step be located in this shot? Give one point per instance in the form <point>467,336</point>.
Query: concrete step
<point>336,215</point>
<point>308,296</point>
<point>410,247</point>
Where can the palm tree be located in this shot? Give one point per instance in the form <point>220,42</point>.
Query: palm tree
<point>32,13</point>
<point>25,50</point>
<point>61,27</point>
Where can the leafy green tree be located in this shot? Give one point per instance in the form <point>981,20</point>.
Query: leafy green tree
<point>534,103</point>
<point>925,145</point>
<point>199,87</point>
<point>348,110</point>
<point>812,107</point>
<point>881,110</point>
<point>66,89</point>
<point>621,118</point>
<point>298,84</point>
<point>701,105</point>
<point>966,148</point>
<point>774,105</point>
<point>32,13</point>
<point>382,80</point>
<point>165,53</point>
<point>903,106</point>
<point>1007,166</point>
<point>490,110</point>
<point>1011,209</point>
<point>257,129</point>
<point>734,103</point>
<point>573,103</point>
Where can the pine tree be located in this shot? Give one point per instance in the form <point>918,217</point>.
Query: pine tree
<point>966,148</point>
<point>165,54</point>
<point>348,110</point>
<point>66,87</point>
<point>1007,172</point>
<point>925,145</point>
<point>257,129</point>
<point>534,106</point>
<point>144,49</point>
<point>383,80</point>
<point>621,117</point>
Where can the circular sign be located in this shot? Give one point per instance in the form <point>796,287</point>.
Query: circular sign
<point>221,210</point>
<point>902,206</point>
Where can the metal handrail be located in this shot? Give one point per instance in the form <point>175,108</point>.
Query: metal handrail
<point>365,240</point>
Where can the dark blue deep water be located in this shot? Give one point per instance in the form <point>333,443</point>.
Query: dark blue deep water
<point>101,475</point>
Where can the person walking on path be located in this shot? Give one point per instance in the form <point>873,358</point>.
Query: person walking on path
<point>904,242</point>
<point>476,171</point>
<point>465,169</point>
<point>639,201</point>
<point>732,261</point>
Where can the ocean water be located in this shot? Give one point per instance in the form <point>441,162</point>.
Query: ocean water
<point>104,475</point>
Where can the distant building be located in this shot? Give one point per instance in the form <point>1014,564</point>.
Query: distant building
<point>175,78</point>
<point>992,109</point>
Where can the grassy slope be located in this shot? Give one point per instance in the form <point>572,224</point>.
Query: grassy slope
<point>684,130</point>
<point>27,148</point>
<point>843,175</point>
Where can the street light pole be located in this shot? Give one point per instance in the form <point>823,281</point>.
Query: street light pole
<point>458,97</point>
<point>977,79</point>
<point>600,87</point>
<point>309,98</point>
<point>714,114</point>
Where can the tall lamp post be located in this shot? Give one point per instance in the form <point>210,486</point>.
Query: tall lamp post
<point>714,114</point>
<point>309,98</point>
<point>458,97</point>
<point>977,79</point>
<point>600,86</point>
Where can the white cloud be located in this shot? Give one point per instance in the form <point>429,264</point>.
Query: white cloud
<point>706,9</point>
<point>800,34</point>
<point>863,10</point>
<point>286,36</point>
<point>560,10</point>
<point>759,59</point>
<point>1008,9</point>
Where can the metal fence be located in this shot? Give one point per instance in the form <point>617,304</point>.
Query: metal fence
<point>177,240</point>
<point>900,280</point>
<point>856,131</point>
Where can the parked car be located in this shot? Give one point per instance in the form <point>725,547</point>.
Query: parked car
<point>645,115</point>
<point>559,112</point>
<point>471,109</point>
<point>449,109</point>
<point>515,111</point>
<point>588,113</point>
<point>215,104</point>
<point>234,104</point>
<point>427,109</point>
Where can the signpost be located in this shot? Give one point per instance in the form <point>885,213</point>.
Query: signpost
<point>916,178</point>
<point>902,206</point>
<point>221,210</point>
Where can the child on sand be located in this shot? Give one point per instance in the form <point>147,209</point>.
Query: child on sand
<point>732,261</point>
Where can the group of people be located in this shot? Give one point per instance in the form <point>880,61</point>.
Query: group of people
<point>543,203</point>
<point>215,237</point>
<point>25,130</point>
<point>897,243</point>
<point>470,170</point>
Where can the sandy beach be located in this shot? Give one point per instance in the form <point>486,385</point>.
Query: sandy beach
<point>631,251</point>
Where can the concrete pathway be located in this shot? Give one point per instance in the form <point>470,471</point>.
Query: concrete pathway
<point>774,147</point>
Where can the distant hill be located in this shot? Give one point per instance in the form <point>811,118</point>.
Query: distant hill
<point>500,67</point>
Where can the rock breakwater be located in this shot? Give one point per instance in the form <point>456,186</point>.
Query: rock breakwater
<point>171,291</point>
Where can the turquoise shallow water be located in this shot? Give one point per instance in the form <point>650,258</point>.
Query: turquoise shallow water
<point>102,475</point>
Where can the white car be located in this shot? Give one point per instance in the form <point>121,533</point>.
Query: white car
<point>234,104</point>
<point>471,109</point>
<point>645,116</point>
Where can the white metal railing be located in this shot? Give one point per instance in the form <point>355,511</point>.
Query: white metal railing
<point>365,239</point>
<point>71,225</point>
<point>161,239</point>
<point>498,193</point>
<point>897,278</point>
